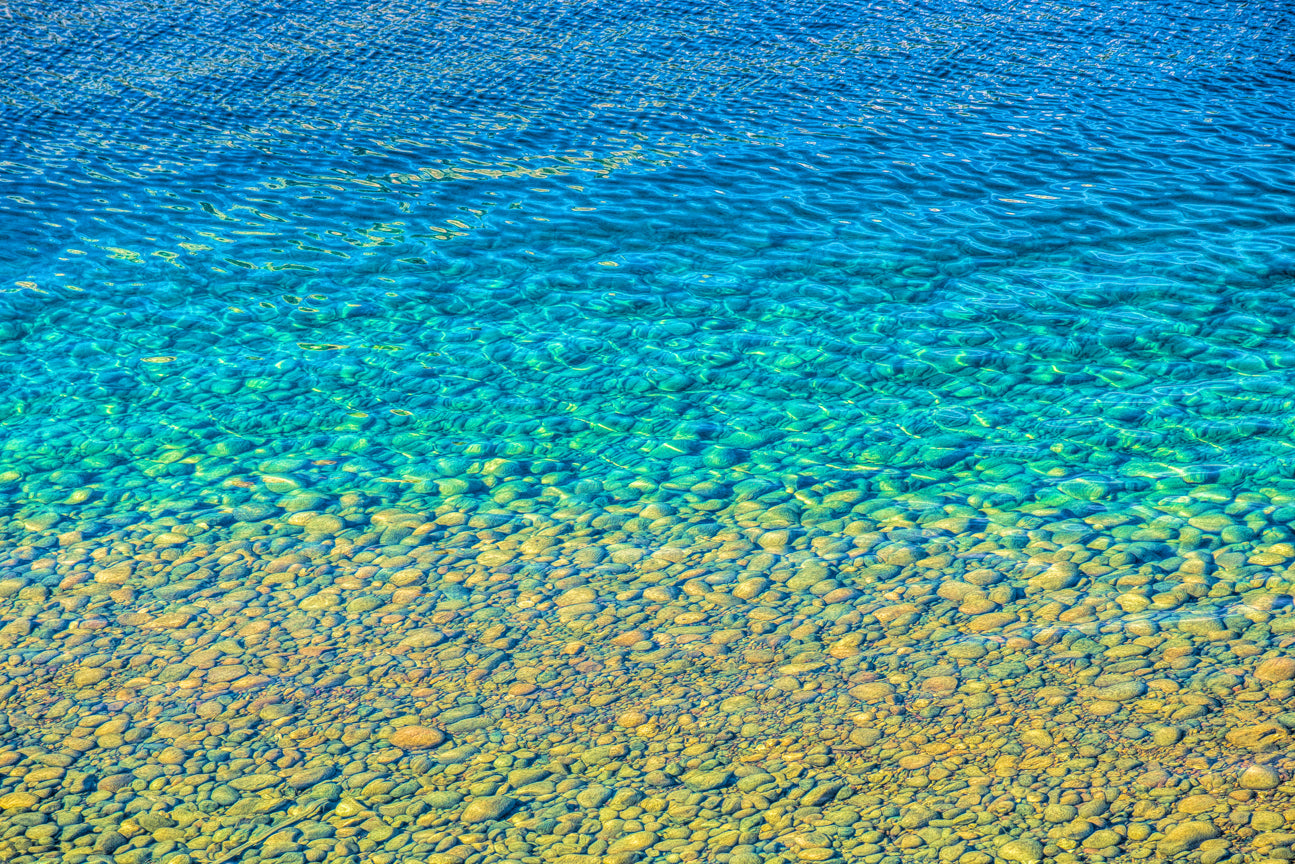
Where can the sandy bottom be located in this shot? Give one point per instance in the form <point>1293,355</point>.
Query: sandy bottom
<point>645,682</point>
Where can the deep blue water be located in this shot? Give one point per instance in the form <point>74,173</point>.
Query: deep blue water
<point>816,233</point>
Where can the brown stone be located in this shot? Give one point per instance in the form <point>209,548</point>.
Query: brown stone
<point>416,737</point>
<point>1276,669</point>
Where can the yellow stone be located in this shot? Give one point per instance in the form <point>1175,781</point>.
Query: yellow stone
<point>872,692</point>
<point>991,621</point>
<point>88,677</point>
<point>18,801</point>
<point>1276,669</point>
<point>416,737</point>
<point>941,684</point>
<point>887,614</point>
<point>1194,804</point>
<point>636,842</point>
<point>172,756</point>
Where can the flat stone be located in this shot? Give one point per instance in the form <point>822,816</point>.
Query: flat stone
<point>1121,692</point>
<point>1262,736</point>
<point>18,801</point>
<point>255,782</point>
<point>636,842</point>
<point>526,776</point>
<point>1187,835</point>
<point>307,777</point>
<point>423,637</point>
<point>704,781</point>
<point>1276,669</point>
<point>416,737</point>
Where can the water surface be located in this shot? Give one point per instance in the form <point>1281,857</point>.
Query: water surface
<point>588,432</point>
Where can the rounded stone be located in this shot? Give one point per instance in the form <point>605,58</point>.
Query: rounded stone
<point>416,737</point>
<point>1025,850</point>
<point>110,841</point>
<point>172,756</point>
<point>324,523</point>
<point>1060,813</point>
<point>968,651</point>
<point>1166,736</point>
<point>1121,692</point>
<point>1194,804</point>
<point>872,692</point>
<point>443,799</point>
<point>308,777</point>
<point>736,704</point>
<point>631,719</point>
<point>88,677</point>
<point>593,796</point>
<point>1259,777</point>
<point>1276,669</point>
<point>488,809</point>
<point>1102,839</point>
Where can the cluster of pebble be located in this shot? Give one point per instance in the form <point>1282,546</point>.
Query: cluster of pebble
<point>788,672</point>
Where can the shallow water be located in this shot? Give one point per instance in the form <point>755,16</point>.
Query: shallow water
<point>590,432</point>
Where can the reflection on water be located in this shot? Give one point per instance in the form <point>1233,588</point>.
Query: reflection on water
<point>595,433</point>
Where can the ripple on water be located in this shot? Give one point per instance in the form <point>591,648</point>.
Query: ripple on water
<point>833,433</point>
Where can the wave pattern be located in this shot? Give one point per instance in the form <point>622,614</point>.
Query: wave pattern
<point>574,431</point>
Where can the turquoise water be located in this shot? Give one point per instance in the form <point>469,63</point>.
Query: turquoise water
<point>835,432</point>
